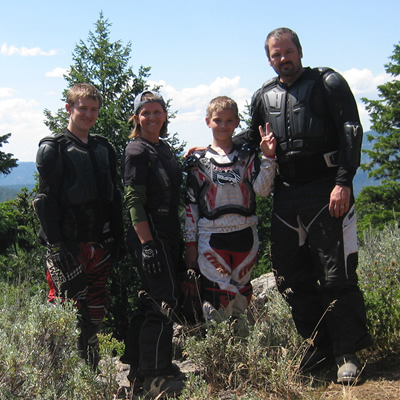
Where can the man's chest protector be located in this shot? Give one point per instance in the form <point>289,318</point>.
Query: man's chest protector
<point>295,125</point>
<point>88,175</point>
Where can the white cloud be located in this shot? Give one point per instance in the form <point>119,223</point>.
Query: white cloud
<point>200,95</point>
<point>57,72</point>
<point>191,104</point>
<point>6,92</point>
<point>24,51</point>
<point>24,120</point>
<point>363,81</point>
<point>364,117</point>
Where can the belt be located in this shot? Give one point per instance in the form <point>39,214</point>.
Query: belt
<point>305,169</point>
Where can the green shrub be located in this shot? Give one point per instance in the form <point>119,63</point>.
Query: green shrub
<point>266,361</point>
<point>38,358</point>
<point>379,273</point>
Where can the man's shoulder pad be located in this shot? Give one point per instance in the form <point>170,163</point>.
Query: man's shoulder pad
<point>265,87</point>
<point>49,147</point>
<point>323,70</point>
<point>270,82</point>
<point>331,78</point>
<point>54,138</point>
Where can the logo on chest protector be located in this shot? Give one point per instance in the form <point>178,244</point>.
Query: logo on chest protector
<point>222,177</point>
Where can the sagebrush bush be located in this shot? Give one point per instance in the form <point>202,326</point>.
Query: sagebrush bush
<point>38,358</point>
<point>25,267</point>
<point>379,273</point>
<point>266,361</point>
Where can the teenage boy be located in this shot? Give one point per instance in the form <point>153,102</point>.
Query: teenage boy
<point>80,211</point>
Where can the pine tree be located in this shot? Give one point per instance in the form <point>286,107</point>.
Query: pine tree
<point>7,162</point>
<point>380,205</point>
<point>385,116</point>
<point>104,64</point>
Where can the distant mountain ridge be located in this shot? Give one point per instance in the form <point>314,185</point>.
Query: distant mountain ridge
<point>24,176</point>
<point>21,176</point>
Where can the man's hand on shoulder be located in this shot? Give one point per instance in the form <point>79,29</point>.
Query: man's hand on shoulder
<point>192,150</point>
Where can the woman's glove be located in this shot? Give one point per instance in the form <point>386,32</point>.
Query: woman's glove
<point>151,258</point>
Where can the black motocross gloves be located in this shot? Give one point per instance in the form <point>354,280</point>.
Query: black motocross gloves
<point>66,273</point>
<point>151,258</point>
<point>61,257</point>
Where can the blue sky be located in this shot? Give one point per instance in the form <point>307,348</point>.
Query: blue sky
<point>196,50</point>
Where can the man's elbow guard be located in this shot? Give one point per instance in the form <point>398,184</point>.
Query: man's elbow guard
<point>350,154</point>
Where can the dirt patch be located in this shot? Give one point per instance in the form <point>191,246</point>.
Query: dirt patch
<point>380,381</point>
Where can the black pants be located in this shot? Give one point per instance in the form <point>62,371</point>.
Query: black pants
<point>315,258</point>
<point>150,339</point>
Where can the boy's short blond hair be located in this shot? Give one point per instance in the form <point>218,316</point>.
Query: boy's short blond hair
<point>83,91</point>
<point>221,103</point>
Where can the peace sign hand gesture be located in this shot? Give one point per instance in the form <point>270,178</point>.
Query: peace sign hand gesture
<point>268,141</point>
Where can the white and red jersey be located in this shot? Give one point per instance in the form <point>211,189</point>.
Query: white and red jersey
<point>220,191</point>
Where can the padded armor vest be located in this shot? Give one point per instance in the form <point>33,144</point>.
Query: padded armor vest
<point>163,193</point>
<point>238,196</point>
<point>164,176</point>
<point>86,188</point>
<point>86,171</point>
<point>297,127</point>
